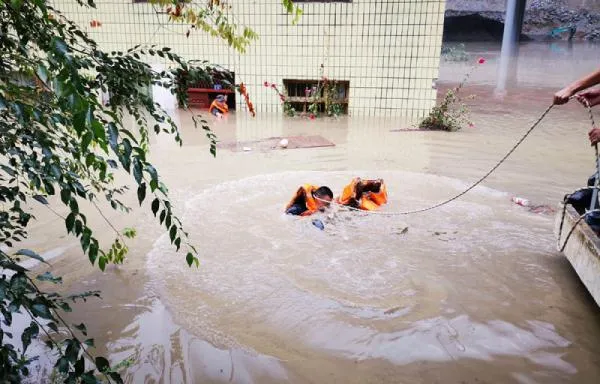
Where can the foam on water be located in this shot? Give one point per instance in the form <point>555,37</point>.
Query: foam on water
<point>361,287</point>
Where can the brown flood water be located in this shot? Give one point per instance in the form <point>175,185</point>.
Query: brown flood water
<point>474,292</point>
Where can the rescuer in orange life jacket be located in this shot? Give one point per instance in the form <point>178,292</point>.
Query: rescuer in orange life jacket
<point>367,195</point>
<point>219,106</point>
<point>309,199</point>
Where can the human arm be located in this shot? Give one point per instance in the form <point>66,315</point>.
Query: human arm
<point>594,136</point>
<point>591,97</point>
<point>563,96</point>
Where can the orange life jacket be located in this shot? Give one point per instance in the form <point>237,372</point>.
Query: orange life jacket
<point>305,192</point>
<point>369,201</point>
<point>219,105</point>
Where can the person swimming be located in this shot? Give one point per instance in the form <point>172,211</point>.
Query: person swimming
<point>367,195</point>
<point>219,106</point>
<point>309,199</point>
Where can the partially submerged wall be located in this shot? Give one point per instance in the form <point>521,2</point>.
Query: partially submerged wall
<point>388,51</point>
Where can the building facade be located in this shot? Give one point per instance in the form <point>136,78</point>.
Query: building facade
<point>383,54</point>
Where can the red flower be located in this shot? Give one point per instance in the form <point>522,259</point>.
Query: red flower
<point>273,86</point>
<point>481,60</point>
<point>471,125</point>
<point>312,116</point>
<point>282,97</point>
<point>267,84</point>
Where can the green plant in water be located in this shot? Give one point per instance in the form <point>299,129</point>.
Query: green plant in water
<point>288,109</point>
<point>451,114</point>
<point>331,93</point>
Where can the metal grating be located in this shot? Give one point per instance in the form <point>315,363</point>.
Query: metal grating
<point>388,50</point>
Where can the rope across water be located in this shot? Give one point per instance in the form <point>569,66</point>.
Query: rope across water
<point>480,180</point>
<point>387,213</point>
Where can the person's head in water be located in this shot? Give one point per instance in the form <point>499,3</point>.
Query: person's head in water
<point>323,195</point>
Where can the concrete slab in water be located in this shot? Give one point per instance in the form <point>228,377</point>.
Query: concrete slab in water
<point>270,143</point>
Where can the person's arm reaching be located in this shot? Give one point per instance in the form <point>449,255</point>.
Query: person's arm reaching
<point>563,96</point>
<point>591,97</point>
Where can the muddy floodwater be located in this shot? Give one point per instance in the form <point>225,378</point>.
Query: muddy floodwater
<point>473,292</point>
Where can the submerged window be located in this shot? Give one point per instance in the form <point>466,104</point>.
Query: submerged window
<point>301,94</point>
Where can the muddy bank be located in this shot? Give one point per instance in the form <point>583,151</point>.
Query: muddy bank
<point>484,20</point>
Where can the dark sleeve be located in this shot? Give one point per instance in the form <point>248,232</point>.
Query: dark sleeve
<point>296,209</point>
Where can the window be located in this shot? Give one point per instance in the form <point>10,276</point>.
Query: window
<point>301,94</point>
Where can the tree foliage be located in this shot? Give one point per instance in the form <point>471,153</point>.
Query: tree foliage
<point>60,142</point>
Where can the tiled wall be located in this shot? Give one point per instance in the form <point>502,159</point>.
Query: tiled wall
<point>388,50</point>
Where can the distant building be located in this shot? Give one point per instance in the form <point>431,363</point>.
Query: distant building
<point>383,54</point>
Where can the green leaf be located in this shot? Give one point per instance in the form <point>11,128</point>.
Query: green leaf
<point>93,251</point>
<point>152,172</point>
<point>78,227</point>
<point>162,216</point>
<point>86,139</point>
<point>80,366</point>
<point>40,199</point>
<point>89,378</point>
<point>79,122</point>
<point>189,258</point>
<point>41,310</point>
<point>8,170</point>
<point>173,233</point>
<point>70,222</point>
<point>74,206</point>
<point>62,365</point>
<point>99,132</point>
<point>30,253</point>
<point>153,185</point>
<point>60,46</point>
<point>85,240</point>
<point>129,233</point>
<point>89,342</point>
<point>113,136</point>
<point>102,263</point>
<point>141,193</point>
<point>155,206</point>
<point>89,159</point>
<point>16,4</point>
<point>65,195</point>
<point>102,364</point>
<point>52,326</point>
<point>29,333</point>
<point>82,328</point>
<point>72,350</point>
<point>178,243</point>
<point>116,377</point>
<point>137,171</point>
<point>47,276</point>
<point>42,73</point>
